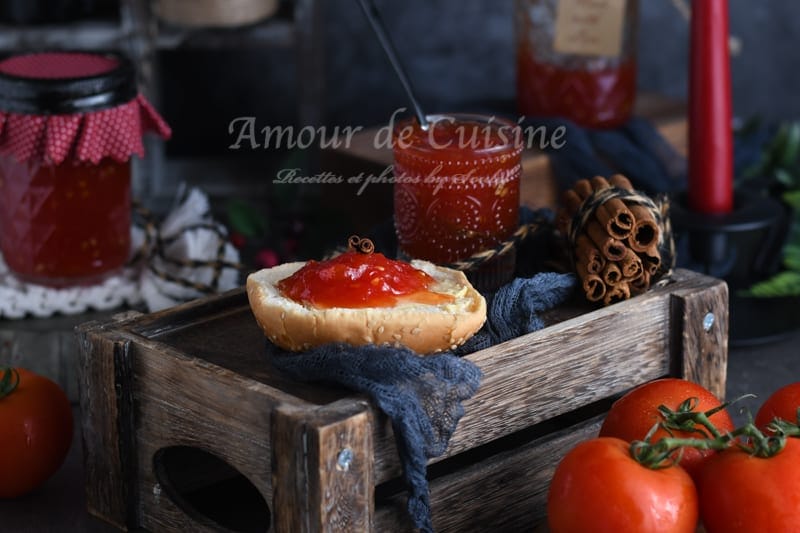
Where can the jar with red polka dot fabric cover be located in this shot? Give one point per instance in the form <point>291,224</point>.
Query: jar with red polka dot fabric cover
<point>69,124</point>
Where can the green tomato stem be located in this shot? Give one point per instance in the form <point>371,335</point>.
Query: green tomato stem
<point>668,450</point>
<point>8,382</point>
<point>759,444</point>
<point>783,427</point>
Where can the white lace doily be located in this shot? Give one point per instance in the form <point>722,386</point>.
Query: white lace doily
<point>190,233</point>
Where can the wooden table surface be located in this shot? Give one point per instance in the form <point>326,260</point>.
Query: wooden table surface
<point>59,505</point>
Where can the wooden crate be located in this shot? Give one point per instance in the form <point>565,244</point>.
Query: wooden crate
<point>324,459</point>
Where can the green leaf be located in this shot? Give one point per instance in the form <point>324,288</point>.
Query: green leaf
<point>791,257</point>
<point>750,126</point>
<point>784,177</point>
<point>245,219</point>
<point>791,145</point>
<point>782,284</point>
<point>9,381</point>
<point>776,146</point>
<point>779,157</point>
<point>792,198</point>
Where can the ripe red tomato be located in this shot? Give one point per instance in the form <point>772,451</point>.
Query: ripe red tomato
<point>599,487</point>
<point>740,492</point>
<point>783,403</point>
<point>633,415</point>
<point>35,433</point>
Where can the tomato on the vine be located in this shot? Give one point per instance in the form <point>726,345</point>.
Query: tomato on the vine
<point>599,487</point>
<point>35,430</point>
<point>783,404</point>
<point>633,415</point>
<point>741,492</point>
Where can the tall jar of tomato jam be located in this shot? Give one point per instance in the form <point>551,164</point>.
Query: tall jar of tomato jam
<point>456,191</point>
<point>70,122</point>
<point>577,59</point>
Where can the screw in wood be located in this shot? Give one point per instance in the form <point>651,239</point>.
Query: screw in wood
<point>708,321</point>
<point>345,458</point>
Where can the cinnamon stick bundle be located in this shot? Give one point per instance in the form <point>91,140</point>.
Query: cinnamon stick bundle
<point>645,231</point>
<point>631,265</point>
<point>651,260</point>
<point>612,275</point>
<point>617,293</point>
<point>611,248</point>
<point>593,286</point>
<point>615,237</point>
<point>613,215</point>
<point>589,255</point>
<point>641,283</point>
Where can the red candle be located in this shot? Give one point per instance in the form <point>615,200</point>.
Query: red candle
<point>710,187</point>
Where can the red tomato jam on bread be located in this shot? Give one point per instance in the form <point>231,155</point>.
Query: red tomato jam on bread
<point>357,280</point>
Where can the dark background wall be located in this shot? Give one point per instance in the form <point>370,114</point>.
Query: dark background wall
<point>463,50</point>
<point>458,52</point>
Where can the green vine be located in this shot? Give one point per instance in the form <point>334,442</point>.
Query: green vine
<point>667,451</point>
<point>686,419</point>
<point>9,381</point>
<point>784,427</point>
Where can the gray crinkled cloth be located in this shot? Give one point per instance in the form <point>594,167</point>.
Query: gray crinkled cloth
<point>422,395</point>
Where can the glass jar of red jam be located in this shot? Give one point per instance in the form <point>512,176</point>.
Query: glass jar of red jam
<point>577,60</point>
<point>65,206</point>
<point>456,191</point>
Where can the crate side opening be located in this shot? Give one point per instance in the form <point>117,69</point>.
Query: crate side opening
<point>211,491</point>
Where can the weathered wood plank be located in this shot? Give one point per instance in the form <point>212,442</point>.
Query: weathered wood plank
<point>107,477</point>
<point>700,317</point>
<point>322,469</point>
<point>556,370</point>
<point>566,365</point>
<point>222,330</point>
<point>289,473</point>
<point>183,401</point>
<point>506,492</point>
<point>341,456</point>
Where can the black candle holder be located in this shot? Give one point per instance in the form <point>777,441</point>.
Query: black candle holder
<point>742,247</point>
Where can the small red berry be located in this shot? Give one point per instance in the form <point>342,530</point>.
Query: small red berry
<point>267,258</point>
<point>291,245</point>
<point>238,240</point>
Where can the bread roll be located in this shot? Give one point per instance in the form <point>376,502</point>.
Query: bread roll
<point>423,328</point>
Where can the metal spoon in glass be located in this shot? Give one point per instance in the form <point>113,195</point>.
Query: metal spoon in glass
<point>374,18</point>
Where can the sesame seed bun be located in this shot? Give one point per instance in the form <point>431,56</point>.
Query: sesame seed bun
<point>424,328</point>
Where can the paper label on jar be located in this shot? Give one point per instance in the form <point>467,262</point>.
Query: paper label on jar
<point>589,27</point>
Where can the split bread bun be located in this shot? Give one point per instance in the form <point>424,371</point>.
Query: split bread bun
<point>424,328</point>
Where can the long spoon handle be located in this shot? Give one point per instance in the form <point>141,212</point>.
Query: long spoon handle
<point>374,18</point>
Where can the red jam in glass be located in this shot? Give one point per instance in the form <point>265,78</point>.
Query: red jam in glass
<point>64,224</point>
<point>601,98</point>
<point>456,187</point>
<point>70,123</point>
<point>357,280</point>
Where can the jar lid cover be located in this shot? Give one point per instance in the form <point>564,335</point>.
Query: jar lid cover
<point>65,82</point>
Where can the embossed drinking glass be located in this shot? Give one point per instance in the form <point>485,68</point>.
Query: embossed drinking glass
<point>457,191</point>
